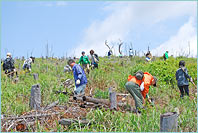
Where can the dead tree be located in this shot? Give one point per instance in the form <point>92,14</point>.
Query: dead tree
<point>110,48</point>
<point>47,51</point>
<point>119,48</point>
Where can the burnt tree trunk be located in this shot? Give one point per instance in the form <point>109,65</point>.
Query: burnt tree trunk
<point>35,76</point>
<point>113,100</point>
<point>35,99</point>
<point>168,122</point>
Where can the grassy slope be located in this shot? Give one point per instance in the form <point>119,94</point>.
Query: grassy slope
<point>113,72</point>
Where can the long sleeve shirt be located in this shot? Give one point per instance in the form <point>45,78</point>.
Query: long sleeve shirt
<point>79,73</point>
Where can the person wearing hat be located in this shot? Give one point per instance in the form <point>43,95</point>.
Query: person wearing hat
<point>139,88</point>
<point>8,65</point>
<point>79,77</point>
<point>182,77</point>
<point>84,60</point>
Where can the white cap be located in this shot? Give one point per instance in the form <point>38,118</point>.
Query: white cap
<point>9,55</point>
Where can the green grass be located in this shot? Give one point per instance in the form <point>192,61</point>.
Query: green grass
<point>111,73</point>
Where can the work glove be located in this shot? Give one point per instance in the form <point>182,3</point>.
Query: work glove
<point>142,86</point>
<point>14,70</point>
<point>191,80</point>
<point>78,82</point>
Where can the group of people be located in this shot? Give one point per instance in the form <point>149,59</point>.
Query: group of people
<point>137,85</point>
<point>89,61</point>
<point>149,56</point>
<point>9,68</point>
<point>79,71</point>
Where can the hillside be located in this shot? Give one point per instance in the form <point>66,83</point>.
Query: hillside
<point>111,73</point>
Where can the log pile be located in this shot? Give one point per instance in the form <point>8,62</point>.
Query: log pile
<point>74,113</point>
<point>46,117</point>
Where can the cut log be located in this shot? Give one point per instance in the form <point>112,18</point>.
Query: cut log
<point>113,100</point>
<point>35,76</point>
<point>168,122</point>
<point>35,98</point>
<point>95,100</point>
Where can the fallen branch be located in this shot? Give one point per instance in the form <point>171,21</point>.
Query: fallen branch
<point>30,116</point>
<point>51,105</point>
<point>68,122</point>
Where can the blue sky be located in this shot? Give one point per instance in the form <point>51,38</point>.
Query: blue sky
<point>70,27</point>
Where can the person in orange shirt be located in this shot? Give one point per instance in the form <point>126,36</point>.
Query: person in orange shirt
<point>139,88</point>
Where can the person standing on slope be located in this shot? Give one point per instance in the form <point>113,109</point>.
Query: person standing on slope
<point>182,77</point>
<point>8,66</point>
<point>166,55</point>
<point>94,59</point>
<point>84,60</point>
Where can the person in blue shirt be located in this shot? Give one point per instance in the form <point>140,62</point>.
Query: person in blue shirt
<point>79,77</point>
<point>182,79</point>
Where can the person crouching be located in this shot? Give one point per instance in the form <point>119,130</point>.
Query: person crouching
<point>139,87</point>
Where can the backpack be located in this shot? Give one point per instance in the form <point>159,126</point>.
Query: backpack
<point>139,75</point>
<point>8,64</point>
<point>96,58</point>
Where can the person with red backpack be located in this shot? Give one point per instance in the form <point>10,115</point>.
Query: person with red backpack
<point>138,87</point>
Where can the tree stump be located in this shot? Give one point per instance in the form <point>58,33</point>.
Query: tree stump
<point>113,100</point>
<point>35,98</point>
<point>168,122</point>
<point>35,76</point>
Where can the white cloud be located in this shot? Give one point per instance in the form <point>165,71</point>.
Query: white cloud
<point>61,3</point>
<point>178,45</point>
<point>54,4</point>
<point>48,4</point>
<point>123,17</point>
